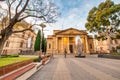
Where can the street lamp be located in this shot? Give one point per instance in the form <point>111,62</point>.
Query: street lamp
<point>42,26</point>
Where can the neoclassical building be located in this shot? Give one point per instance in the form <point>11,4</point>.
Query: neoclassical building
<point>21,42</point>
<point>66,39</point>
<point>106,46</point>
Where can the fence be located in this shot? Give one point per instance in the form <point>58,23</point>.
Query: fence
<point>17,51</point>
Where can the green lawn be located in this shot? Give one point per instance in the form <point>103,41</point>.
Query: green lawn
<point>6,61</point>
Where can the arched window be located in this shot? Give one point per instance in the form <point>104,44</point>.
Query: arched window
<point>116,42</point>
<point>23,34</point>
<point>21,44</point>
<point>7,43</point>
<point>49,46</point>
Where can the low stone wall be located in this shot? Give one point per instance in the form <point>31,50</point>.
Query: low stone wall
<point>8,68</point>
<point>37,53</point>
<point>109,56</point>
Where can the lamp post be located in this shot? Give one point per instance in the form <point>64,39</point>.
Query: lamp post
<point>42,26</point>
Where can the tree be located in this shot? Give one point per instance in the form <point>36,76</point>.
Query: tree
<point>44,44</point>
<point>37,41</point>
<point>104,19</point>
<point>45,41</point>
<point>19,10</point>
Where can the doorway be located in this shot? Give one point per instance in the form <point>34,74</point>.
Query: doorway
<point>71,48</point>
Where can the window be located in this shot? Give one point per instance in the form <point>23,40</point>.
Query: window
<point>90,46</point>
<point>112,41</point>
<point>23,34</point>
<point>21,44</point>
<point>49,46</point>
<point>29,34</point>
<point>7,43</point>
<point>116,41</point>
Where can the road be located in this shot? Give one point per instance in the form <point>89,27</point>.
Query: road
<point>70,68</point>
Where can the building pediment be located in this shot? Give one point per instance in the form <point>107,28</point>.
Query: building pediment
<point>71,31</point>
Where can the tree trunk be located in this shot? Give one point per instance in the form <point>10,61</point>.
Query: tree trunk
<point>2,42</point>
<point>5,35</point>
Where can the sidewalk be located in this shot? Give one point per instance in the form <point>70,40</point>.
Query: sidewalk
<point>30,72</point>
<point>22,73</point>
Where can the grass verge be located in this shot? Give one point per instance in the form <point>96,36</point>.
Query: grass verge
<point>116,54</point>
<point>10,60</point>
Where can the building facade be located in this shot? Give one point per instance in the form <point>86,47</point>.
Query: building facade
<point>20,43</point>
<point>66,39</point>
<point>106,46</point>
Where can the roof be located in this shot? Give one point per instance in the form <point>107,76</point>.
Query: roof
<point>60,31</point>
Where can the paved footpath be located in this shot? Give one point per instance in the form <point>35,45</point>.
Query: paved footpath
<point>70,68</point>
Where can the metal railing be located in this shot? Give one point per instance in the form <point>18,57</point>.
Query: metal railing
<point>17,51</point>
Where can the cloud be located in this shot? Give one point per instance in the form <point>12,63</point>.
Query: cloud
<point>73,14</point>
<point>73,18</point>
<point>3,5</point>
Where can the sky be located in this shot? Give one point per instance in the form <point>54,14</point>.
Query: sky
<point>73,14</point>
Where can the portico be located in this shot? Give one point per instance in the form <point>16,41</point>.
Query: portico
<point>65,39</point>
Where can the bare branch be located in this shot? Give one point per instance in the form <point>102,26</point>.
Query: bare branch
<point>48,10</point>
<point>18,6</point>
<point>33,10</point>
<point>9,8</point>
<point>32,16</point>
<point>24,7</point>
<point>41,11</point>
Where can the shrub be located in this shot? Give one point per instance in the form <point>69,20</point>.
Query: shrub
<point>14,55</point>
<point>116,53</point>
<point>10,56</point>
<point>4,56</point>
<point>36,59</point>
<point>48,55</point>
<point>118,47</point>
<point>113,49</point>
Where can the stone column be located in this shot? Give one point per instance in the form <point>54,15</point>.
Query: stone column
<point>53,46</point>
<point>68,45</point>
<point>74,46</point>
<point>56,45</point>
<point>84,44</point>
<point>87,47</point>
<point>62,44</point>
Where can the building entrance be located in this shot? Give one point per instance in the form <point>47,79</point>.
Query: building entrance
<point>71,48</point>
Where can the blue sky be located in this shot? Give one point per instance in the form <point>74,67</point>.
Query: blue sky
<point>73,13</point>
